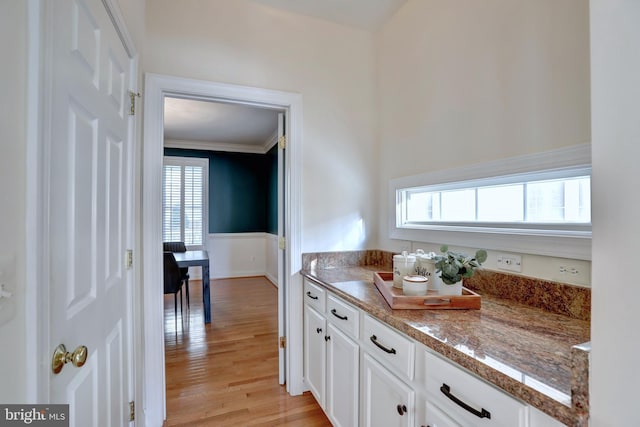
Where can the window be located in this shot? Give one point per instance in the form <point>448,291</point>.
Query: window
<point>184,200</point>
<point>537,204</point>
<point>558,200</point>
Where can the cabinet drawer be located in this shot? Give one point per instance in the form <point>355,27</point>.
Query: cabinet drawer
<point>435,417</point>
<point>389,346</point>
<point>314,295</point>
<point>343,315</point>
<point>468,399</point>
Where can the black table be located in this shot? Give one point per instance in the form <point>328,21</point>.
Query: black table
<point>194,259</point>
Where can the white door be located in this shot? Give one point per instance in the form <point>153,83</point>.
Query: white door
<point>88,193</point>
<point>282,281</point>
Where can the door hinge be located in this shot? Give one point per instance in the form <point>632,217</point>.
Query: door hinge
<point>282,142</point>
<point>132,98</point>
<point>128,258</point>
<point>282,243</point>
<point>132,411</point>
<point>283,342</point>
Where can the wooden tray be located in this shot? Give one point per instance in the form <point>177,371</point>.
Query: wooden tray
<point>433,300</point>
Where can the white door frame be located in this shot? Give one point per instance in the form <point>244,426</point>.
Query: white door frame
<point>152,355</point>
<point>38,348</point>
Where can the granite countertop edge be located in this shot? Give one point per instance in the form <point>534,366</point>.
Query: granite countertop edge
<point>566,414</point>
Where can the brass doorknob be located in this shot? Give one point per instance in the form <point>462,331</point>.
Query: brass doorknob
<point>61,356</point>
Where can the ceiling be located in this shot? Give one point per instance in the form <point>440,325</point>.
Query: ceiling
<point>247,127</point>
<point>368,15</point>
<point>217,122</point>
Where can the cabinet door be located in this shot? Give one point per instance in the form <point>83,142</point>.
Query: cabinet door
<point>315,353</point>
<point>342,378</point>
<point>388,401</point>
<point>540,419</point>
<point>434,417</point>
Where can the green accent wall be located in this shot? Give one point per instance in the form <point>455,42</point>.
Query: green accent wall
<point>272,195</point>
<point>242,197</point>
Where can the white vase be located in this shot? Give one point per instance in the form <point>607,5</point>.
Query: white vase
<point>455,289</point>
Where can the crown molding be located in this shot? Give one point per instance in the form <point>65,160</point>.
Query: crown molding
<point>223,146</point>
<point>214,146</point>
<point>271,141</point>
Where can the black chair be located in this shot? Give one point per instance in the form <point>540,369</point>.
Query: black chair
<point>172,280</point>
<point>179,247</point>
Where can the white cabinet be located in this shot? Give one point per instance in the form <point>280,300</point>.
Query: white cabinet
<point>379,386</point>
<point>387,400</point>
<point>343,315</point>
<point>389,346</point>
<point>467,399</point>
<point>540,419</point>
<point>315,353</point>
<point>343,357</point>
<point>435,417</point>
<point>314,296</point>
<point>332,354</point>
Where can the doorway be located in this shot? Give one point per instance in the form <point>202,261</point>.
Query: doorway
<point>152,359</point>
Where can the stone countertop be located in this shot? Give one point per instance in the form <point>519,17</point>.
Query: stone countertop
<point>523,350</point>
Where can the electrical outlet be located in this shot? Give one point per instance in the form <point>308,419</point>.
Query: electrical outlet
<point>7,288</point>
<point>509,262</point>
<point>571,271</point>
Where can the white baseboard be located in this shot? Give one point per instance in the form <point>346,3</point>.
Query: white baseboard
<point>272,279</point>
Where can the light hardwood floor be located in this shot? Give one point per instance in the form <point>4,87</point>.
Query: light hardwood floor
<point>226,373</point>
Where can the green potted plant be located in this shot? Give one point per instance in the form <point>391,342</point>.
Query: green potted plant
<point>454,266</point>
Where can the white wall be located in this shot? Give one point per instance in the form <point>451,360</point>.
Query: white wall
<point>465,82</point>
<point>330,65</point>
<point>133,12</point>
<point>615,65</point>
<point>13,51</point>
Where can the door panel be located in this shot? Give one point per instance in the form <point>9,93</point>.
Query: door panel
<point>87,163</point>
<point>82,392</point>
<point>114,374</point>
<point>113,232</point>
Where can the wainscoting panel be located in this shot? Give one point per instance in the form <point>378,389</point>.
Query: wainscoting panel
<point>272,258</point>
<point>237,255</point>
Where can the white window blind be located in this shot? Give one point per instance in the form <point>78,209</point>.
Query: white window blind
<point>184,197</point>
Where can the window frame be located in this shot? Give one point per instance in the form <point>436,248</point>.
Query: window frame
<point>568,241</point>
<point>182,162</point>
